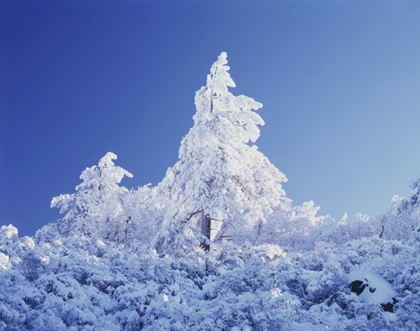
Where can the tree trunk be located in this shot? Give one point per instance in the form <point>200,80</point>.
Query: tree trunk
<point>205,230</point>
<point>383,228</point>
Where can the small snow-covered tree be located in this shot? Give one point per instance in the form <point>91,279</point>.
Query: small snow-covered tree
<point>222,186</point>
<point>97,203</point>
<point>402,220</point>
<point>297,227</point>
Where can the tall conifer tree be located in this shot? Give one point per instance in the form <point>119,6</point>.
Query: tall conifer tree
<point>222,186</point>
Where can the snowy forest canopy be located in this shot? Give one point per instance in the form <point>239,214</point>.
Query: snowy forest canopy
<point>216,245</point>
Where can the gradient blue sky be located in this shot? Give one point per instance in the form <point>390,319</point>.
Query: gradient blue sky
<point>339,81</point>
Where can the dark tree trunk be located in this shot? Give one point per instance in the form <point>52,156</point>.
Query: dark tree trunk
<point>205,230</point>
<point>383,228</point>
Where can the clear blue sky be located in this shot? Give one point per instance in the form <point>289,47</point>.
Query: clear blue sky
<point>339,80</point>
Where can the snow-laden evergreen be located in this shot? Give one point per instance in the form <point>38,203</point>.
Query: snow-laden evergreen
<point>97,201</point>
<point>217,245</point>
<point>222,187</point>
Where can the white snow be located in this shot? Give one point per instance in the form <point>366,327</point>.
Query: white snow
<point>4,261</point>
<point>9,231</point>
<point>378,290</point>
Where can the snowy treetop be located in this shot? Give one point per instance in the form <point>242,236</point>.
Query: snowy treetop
<point>215,99</point>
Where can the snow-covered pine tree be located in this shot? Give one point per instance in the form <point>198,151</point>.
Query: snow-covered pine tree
<point>97,203</point>
<point>222,187</point>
